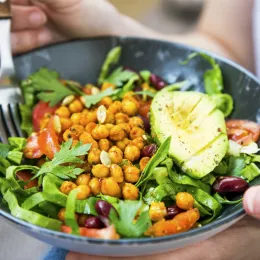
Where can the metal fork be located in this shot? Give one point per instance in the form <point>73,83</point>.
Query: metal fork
<point>10,93</point>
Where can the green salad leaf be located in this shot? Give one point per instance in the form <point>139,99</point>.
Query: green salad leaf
<point>126,223</point>
<point>155,194</point>
<point>145,75</point>
<point>119,76</point>
<point>112,57</point>
<point>90,100</point>
<point>224,102</point>
<point>250,172</point>
<point>222,200</point>
<point>67,154</point>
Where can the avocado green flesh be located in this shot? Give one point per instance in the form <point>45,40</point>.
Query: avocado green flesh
<point>199,139</point>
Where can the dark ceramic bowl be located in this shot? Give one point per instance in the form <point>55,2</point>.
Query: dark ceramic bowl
<point>81,60</point>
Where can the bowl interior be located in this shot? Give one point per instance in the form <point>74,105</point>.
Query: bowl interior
<point>81,61</point>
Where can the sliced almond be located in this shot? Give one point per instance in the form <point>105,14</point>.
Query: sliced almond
<point>67,100</point>
<point>95,90</point>
<point>101,114</point>
<point>105,159</point>
<point>57,124</point>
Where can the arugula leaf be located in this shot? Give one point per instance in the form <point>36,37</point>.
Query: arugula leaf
<point>67,154</point>
<point>160,155</point>
<point>50,89</point>
<point>222,200</point>
<point>119,76</point>
<point>145,75</point>
<point>128,86</point>
<point>224,102</point>
<point>145,93</point>
<point>90,100</point>
<point>112,58</point>
<point>126,224</point>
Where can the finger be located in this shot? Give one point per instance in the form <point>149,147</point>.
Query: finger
<point>24,17</point>
<point>251,202</point>
<point>20,2</point>
<point>26,40</point>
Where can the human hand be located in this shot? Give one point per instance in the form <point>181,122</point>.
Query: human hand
<point>238,242</point>
<point>48,21</point>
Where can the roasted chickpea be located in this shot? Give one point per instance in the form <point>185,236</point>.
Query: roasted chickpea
<point>100,171</point>
<point>136,132</point>
<point>63,112</point>
<point>67,186</point>
<point>126,163</point>
<point>83,179</point>
<point>157,211</point>
<point>129,107</point>
<point>83,192</point>
<point>122,144</point>
<point>184,200</point>
<point>117,172</point>
<point>67,135</point>
<point>94,156</point>
<point>121,118</point>
<point>117,133</point>
<point>107,85</point>
<point>106,101</point>
<point>115,107</point>
<point>82,219</point>
<point>136,121</point>
<point>86,138</point>
<point>129,94</point>
<point>61,214</point>
<point>65,123</point>
<point>110,187</point>
<point>132,174</point>
<point>143,162</point>
<point>126,127</point>
<point>104,144</point>
<point>115,155</point>
<point>95,186</point>
<point>109,126</point>
<point>110,118</point>
<point>130,192</point>
<point>76,130</point>
<point>75,106</point>
<point>100,132</point>
<point>138,142</point>
<point>132,153</point>
<point>88,116</point>
<point>90,127</point>
<point>75,118</point>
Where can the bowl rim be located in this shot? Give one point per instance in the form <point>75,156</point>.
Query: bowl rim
<point>115,40</point>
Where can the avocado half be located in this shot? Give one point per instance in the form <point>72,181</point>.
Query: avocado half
<point>198,130</point>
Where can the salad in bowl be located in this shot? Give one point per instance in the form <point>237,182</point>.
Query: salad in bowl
<point>128,156</point>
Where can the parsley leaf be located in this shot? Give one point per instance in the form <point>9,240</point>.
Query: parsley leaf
<point>119,76</point>
<point>126,224</point>
<point>50,89</point>
<point>67,154</point>
<point>90,100</point>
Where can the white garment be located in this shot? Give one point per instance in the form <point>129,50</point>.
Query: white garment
<point>256,35</point>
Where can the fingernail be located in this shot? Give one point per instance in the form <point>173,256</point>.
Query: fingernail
<point>37,18</point>
<point>252,200</point>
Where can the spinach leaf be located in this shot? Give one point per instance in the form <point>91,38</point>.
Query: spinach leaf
<point>160,155</point>
<point>236,165</point>
<point>155,194</point>
<point>112,58</point>
<point>222,168</point>
<point>222,200</point>
<point>250,172</point>
<point>209,179</point>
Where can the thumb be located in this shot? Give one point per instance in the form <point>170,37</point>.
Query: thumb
<point>58,4</point>
<point>251,202</point>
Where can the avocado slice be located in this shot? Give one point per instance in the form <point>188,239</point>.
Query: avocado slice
<point>199,140</point>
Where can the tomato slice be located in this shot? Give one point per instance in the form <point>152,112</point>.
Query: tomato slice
<point>32,148</point>
<point>48,142</point>
<point>40,109</point>
<point>26,176</point>
<point>103,233</point>
<point>243,131</point>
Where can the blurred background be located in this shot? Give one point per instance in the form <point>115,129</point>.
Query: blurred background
<point>166,16</point>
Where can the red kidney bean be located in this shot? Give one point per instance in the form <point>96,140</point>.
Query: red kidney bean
<point>172,211</point>
<point>103,208</point>
<point>149,150</point>
<point>93,222</point>
<point>157,82</point>
<point>230,184</point>
<point>104,220</point>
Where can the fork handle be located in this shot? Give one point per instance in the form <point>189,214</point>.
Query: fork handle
<point>5,9</point>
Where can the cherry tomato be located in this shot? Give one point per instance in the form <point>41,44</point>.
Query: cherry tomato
<point>32,148</point>
<point>104,233</point>
<point>40,109</point>
<point>26,176</point>
<point>243,131</point>
<point>48,142</point>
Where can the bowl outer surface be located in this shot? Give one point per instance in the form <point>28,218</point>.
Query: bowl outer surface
<point>81,61</point>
